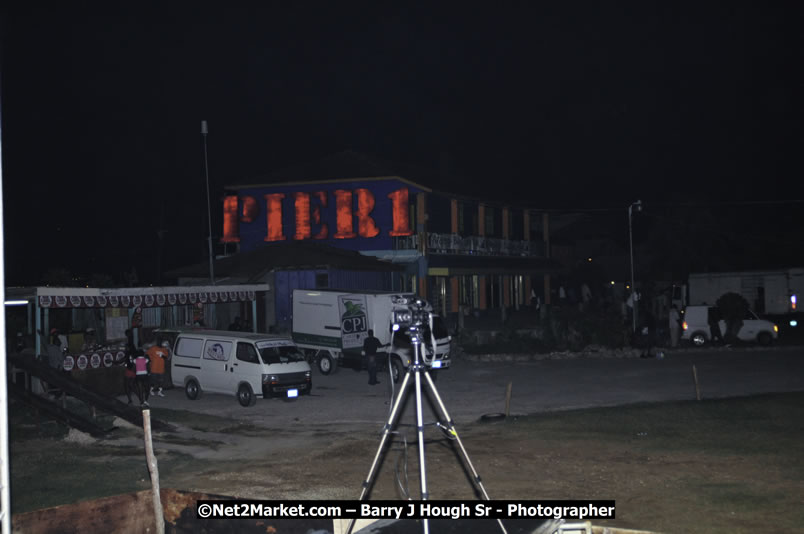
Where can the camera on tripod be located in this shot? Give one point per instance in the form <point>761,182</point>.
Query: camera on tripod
<point>409,313</point>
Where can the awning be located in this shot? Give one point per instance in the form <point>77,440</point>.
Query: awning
<point>93,297</point>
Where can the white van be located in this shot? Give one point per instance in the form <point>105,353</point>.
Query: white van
<point>247,365</point>
<point>696,329</point>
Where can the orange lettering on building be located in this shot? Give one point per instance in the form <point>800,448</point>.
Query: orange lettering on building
<point>366,227</point>
<point>322,199</point>
<point>302,216</point>
<point>230,230</point>
<point>273,215</point>
<point>250,209</point>
<point>401,213</point>
<point>344,227</point>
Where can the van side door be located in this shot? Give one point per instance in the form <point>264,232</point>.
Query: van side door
<point>217,355</point>
<point>246,367</point>
<point>186,360</point>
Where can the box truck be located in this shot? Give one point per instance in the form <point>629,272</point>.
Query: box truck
<point>767,292</point>
<point>331,325</point>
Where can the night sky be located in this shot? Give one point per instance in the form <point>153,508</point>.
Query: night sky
<point>557,104</point>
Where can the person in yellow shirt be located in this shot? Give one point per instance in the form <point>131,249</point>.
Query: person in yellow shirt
<point>158,356</point>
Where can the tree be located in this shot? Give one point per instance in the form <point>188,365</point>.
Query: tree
<point>100,280</point>
<point>733,307</point>
<point>58,277</point>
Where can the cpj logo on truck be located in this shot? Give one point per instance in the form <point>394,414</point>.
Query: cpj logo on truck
<point>354,325</point>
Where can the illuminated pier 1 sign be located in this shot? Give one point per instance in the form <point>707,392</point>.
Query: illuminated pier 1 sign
<point>338,214</point>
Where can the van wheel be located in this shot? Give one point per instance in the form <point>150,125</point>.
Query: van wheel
<point>245,395</point>
<point>192,389</point>
<point>396,369</point>
<point>326,364</point>
<point>764,338</point>
<point>698,339</point>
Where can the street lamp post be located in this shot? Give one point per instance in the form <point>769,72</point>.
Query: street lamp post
<point>634,301</point>
<point>204,132</point>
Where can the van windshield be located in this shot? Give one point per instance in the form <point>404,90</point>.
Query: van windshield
<point>281,354</point>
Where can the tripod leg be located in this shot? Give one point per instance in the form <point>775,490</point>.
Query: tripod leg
<point>478,482</point>
<point>386,432</point>
<point>420,430</point>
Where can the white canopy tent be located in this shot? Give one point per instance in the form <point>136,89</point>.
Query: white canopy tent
<point>160,306</point>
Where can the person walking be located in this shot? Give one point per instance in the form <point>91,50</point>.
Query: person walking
<point>129,376</point>
<point>370,346</point>
<point>713,318</point>
<point>141,379</point>
<point>674,322</point>
<point>157,357</point>
<point>647,340</point>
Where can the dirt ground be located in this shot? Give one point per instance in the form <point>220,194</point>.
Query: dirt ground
<point>665,492</point>
<point>721,465</point>
<point>656,486</point>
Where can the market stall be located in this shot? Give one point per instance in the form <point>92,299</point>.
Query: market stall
<point>94,325</point>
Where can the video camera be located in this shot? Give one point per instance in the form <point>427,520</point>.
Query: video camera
<point>409,312</point>
<point>412,315</point>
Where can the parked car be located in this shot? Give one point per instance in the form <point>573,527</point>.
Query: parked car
<point>696,330</point>
<point>248,366</point>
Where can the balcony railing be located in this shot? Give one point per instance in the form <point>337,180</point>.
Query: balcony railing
<point>471,245</point>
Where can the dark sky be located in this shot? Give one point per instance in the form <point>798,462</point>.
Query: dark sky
<point>559,104</point>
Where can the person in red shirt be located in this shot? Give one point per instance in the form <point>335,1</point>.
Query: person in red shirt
<point>158,356</point>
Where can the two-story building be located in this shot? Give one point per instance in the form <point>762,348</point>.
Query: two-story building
<point>461,253</point>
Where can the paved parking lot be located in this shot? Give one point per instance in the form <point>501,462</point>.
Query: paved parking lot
<point>472,389</point>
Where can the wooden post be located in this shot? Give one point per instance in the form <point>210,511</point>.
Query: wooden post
<point>153,469</point>
<point>508,398</point>
<point>697,387</point>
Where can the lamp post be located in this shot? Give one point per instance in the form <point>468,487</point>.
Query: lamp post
<point>635,305</point>
<point>204,132</point>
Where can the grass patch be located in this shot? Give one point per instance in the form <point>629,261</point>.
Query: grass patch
<point>762,424</point>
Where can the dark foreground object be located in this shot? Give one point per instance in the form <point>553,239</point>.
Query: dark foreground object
<point>449,526</point>
<point>133,513</point>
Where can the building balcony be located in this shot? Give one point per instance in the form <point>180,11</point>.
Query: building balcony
<point>470,245</point>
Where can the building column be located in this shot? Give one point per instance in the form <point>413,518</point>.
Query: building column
<point>528,289</point>
<point>421,230</point>
<point>481,292</point>
<point>526,224</point>
<point>454,290</point>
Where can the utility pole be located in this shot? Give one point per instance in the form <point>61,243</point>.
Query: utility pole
<point>204,132</point>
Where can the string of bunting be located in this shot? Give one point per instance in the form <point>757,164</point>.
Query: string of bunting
<point>128,301</point>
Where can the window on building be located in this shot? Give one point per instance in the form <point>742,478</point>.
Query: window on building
<point>516,224</point>
<point>489,221</point>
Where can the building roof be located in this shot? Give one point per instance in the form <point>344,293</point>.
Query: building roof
<point>352,165</point>
<point>346,165</point>
<point>297,255</point>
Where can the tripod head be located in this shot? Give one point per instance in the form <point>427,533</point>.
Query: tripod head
<point>411,315</point>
